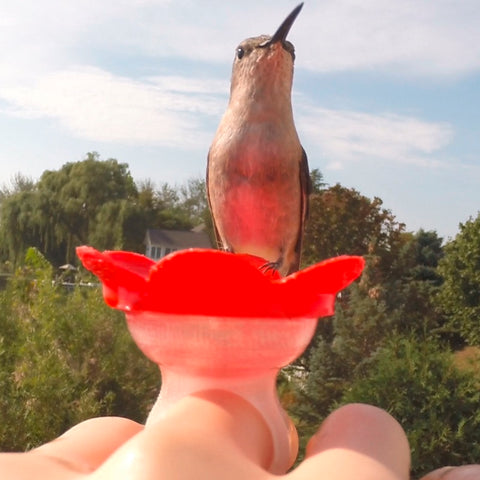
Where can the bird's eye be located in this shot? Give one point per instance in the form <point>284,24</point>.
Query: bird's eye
<point>240,53</point>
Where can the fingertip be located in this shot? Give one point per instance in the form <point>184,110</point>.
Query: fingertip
<point>88,444</point>
<point>118,426</point>
<point>343,426</point>
<point>293,441</point>
<point>438,474</point>
<point>364,437</point>
<point>464,472</point>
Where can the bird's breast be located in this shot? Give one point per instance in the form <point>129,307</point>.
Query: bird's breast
<point>255,189</point>
<point>262,149</point>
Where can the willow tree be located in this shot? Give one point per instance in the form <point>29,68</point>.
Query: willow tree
<point>64,208</point>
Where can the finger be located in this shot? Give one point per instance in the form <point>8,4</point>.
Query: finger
<point>23,466</point>
<point>357,441</point>
<point>80,450</point>
<point>212,435</point>
<point>87,445</point>
<point>465,472</point>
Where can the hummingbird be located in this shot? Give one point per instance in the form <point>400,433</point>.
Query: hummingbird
<point>258,180</point>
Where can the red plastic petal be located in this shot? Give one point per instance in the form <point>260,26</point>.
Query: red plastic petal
<point>216,283</point>
<point>315,288</point>
<point>123,274</point>
<point>211,282</point>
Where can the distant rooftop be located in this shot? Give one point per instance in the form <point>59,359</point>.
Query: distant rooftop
<point>178,239</point>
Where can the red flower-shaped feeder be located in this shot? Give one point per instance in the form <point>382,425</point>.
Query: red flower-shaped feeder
<point>216,320</point>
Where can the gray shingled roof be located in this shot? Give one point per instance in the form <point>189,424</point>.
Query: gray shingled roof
<point>178,238</point>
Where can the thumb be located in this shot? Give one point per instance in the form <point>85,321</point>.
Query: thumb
<point>210,435</point>
<point>465,472</point>
<point>357,441</point>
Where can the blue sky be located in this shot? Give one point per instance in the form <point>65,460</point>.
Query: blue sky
<point>386,92</point>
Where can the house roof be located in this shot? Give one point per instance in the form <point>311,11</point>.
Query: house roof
<point>178,238</point>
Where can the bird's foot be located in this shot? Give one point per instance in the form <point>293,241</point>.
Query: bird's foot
<point>270,267</point>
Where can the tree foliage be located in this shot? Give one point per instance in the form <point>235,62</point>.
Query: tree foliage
<point>63,208</point>
<point>64,357</point>
<point>395,296</point>
<point>435,402</point>
<point>459,297</point>
<point>91,202</point>
<point>342,221</point>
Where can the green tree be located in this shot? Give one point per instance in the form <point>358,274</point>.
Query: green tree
<point>60,211</point>
<point>78,191</point>
<point>92,202</point>
<point>193,199</point>
<point>435,402</point>
<point>155,208</point>
<point>18,183</point>
<point>459,296</point>
<point>342,221</point>
<point>410,289</point>
<point>394,296</point>
<point>64,357</point>
<point>183,206</point>
<point>318,181</point>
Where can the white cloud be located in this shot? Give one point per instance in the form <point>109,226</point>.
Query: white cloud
<point>407,37</point>
<point>94,104</point>
<point>347,136</point>
<point>182,112</point>
<point>334,166</point>
<point>47,49</point>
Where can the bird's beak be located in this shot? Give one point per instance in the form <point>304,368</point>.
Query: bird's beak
<point>281,34</point>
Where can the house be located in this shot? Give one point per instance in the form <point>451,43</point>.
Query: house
<point>160,242</point>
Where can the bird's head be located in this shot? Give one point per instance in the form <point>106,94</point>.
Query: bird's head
<point>264,61</point>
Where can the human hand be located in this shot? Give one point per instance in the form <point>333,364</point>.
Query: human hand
<point>215,435</point>
<point>465,472</point>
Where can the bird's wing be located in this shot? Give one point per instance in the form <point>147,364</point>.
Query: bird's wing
<point>305,185</point>
<point>305,191</point>
<point>217,235</point>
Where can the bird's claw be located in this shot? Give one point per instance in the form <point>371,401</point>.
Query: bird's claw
<point>270,267</point>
